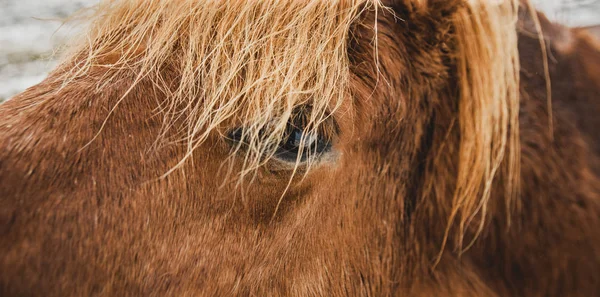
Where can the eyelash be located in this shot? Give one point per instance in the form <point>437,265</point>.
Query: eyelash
<point>296,145</point>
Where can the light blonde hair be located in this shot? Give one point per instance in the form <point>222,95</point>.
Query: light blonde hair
<point>243,61</point>
<point>488,72</point>
<point>255,62</point>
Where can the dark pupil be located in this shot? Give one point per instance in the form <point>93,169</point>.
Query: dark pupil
<point>290,147</point>
<point>292,144</point>
<point>294,140</point>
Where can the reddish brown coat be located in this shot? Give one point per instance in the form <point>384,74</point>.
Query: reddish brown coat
<point>95,218</point>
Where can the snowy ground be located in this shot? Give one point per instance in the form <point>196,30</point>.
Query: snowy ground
<point>29,34</point>
<point>28,37</point>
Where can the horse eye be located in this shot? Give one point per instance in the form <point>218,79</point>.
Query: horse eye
<point>297,144</point>
<point>300,145</point>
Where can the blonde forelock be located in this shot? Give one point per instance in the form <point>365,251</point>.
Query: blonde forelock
<point>252,63</point>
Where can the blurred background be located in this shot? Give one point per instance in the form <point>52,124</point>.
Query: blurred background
<point>30,35</point>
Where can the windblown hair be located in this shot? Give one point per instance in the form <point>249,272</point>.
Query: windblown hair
<point>248,63</point>
<point>252,64</point>
<point>114,184</point>
<point>487,60</point>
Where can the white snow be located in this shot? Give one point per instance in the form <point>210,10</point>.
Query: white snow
<point>29,34</point>
<point>571,12</point>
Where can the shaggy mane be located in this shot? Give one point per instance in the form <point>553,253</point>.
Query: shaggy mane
<point>245,63</point>
<point>251,64</point>
<point>488,79</point>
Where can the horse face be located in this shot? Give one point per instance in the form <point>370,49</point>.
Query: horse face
<point>112,210</point>
<point>160,159</point>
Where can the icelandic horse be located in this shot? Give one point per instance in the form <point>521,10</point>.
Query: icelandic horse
<point>307,148</point>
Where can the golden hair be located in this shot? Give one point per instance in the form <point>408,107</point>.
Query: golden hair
<point>253,63</point>
<point>487,61</point>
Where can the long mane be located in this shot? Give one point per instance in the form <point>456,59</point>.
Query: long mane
<point>246,63</point>
<point>488,67</point>
<point>253,63</point>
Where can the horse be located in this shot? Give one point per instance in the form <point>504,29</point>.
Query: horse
<point>594,30</point>
<point>307,148</point>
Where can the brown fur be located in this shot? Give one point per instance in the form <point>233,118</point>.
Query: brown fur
<point>101,218</point>
<point>594,30</point>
